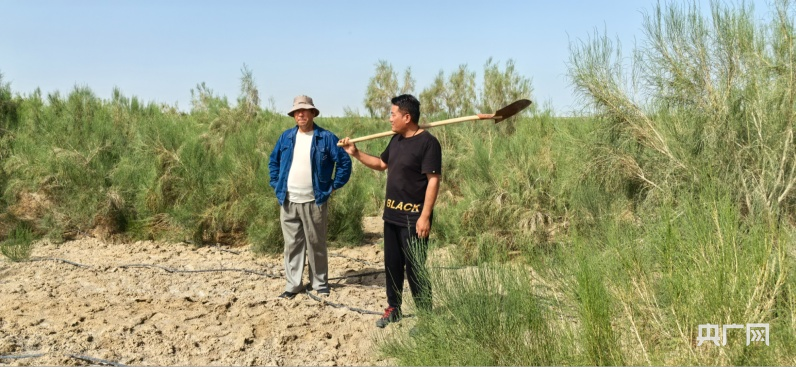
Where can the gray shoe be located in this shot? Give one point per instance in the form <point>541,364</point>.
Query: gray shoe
<point>323,292</point>
<point>391,314</point>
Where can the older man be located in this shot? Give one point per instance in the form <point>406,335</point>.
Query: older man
<point>306,166</point>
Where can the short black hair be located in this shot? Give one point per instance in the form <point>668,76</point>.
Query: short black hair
<point>407,103</point>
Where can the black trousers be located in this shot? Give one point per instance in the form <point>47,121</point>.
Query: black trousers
<point>403,250</point>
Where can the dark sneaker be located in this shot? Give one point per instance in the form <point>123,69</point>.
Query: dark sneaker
<point>323,292</point>
<point>391,314</point>
<point>288,295</point>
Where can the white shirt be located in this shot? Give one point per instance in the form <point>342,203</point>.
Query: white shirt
<point>299,180</point>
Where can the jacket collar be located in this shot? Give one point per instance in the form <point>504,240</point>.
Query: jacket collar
<point>315,129</point>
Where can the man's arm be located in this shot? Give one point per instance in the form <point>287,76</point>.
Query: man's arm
<point>366,159</point>
<point>342,172</point>
<point>423,226</point>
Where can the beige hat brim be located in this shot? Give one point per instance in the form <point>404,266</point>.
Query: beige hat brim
<point>303,106</point>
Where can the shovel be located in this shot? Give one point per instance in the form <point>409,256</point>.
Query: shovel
<point>499,115</point>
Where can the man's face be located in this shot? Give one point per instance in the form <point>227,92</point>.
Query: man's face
<point>304,119</point>
<point>399,120</point>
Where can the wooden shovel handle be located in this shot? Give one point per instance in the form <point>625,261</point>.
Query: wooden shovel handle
<point>480,116</point>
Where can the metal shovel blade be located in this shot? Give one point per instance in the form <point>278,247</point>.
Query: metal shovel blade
<point>511,109</point>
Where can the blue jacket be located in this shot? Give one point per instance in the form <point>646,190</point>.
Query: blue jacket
<point>324,154</point>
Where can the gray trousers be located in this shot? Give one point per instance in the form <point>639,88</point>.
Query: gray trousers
<point>304,229</point>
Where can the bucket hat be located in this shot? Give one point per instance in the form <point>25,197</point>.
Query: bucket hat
<point>303,102</point>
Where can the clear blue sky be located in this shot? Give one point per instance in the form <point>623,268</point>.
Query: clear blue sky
<point>160,50</point>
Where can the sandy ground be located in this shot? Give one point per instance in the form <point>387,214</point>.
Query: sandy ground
<point>147,314</point>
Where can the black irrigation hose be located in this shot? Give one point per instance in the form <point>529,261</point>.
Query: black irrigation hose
<point>382,272</point>
<point>58,260</point>
<point>372,286</point>
<point>172,270</point>
<point>22,356</point>
<point>74,356</point>
<point>357,275</point>
<point>340,305</point>
<point>96,360</point>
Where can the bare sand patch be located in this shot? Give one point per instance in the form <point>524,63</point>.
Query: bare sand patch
<point>153,303</point>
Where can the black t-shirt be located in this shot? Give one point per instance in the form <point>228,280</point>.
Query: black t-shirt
<point>408,161</point>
